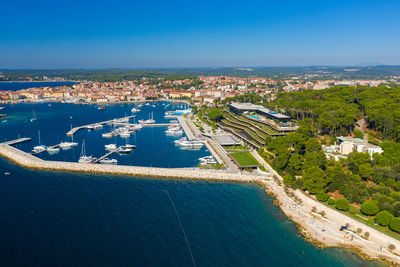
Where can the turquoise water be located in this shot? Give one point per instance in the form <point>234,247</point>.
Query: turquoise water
<point>14,86</point>
<point>255,117</point>
<point>69,219</point>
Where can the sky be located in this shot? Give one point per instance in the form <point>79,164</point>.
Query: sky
<point>162,34</point>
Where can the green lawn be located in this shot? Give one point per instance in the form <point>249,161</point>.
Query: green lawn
<point>244,158</point>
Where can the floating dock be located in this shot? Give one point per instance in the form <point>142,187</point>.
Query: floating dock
<point>76,129</point>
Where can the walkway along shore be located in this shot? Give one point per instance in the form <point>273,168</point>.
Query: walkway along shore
<point>321,230</point>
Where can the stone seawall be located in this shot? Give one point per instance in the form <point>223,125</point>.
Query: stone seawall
<point>26,160</point>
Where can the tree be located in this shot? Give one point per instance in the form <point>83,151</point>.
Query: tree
<point>366,170</point>
<point>315,180</point>
<point>394,224</point>
<point>331,201</point>
<point>369,207</point>
<point>383,218</point>
<point>214,114</point>
<point>322,196</point>
<point>342,204</point>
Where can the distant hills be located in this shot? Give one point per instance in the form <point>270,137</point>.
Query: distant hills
<point>311,72</point>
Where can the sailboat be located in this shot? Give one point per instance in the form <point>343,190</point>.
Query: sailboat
<point>39,148</point>
<point>34,116</point>
<point>83,158</point>
<point>149,121</point>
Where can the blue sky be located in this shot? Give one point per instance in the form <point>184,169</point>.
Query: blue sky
<point>152,34</point>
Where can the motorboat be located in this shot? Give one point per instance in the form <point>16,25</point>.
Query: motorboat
<point>190,143</point>
<point>108,161</point>
<point>90,127</point>
<point>38,149</point>
<point>107,135</point>
<point>97,126</point>
<point>110,147</point>
<point>175,130</point>
<point>148,121</point>
<point>135,110</point>
<point>130,146</point>
<point>67,145</point>
<point>102,107</point>
<point>208,160</point>
<point>53,150</point>
<point>125,150</point>
<point>125,133</point>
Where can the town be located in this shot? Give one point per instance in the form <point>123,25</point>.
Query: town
<point>200,90</point>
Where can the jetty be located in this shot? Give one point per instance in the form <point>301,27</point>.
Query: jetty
<point>145,124</point>
<point>30,161</point>
<point>107,154</point>
<point>76,129</point>
<point>185,127</point>
<point>17,141</point>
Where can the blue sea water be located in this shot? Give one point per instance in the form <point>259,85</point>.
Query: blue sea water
<point>69,219</point>
<point>15,86</point>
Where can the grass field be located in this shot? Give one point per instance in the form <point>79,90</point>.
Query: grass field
<point>244,158</point>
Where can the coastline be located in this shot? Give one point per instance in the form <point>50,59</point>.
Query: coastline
<point>320,230</point>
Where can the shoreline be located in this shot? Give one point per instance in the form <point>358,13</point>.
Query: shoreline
<point>321,231</point>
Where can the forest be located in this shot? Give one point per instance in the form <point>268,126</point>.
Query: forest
<point>361,185</point>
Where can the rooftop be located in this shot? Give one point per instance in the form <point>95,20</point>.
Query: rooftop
<point>253,107</point>
<point>226,140</point>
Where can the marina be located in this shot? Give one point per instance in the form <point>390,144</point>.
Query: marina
<point>93,125</point>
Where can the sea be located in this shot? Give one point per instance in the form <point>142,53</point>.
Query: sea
<point>70,219</point>
<point>15,86</point>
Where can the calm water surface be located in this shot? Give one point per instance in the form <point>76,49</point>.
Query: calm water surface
<point>68,219</point>
<point>15,86</point>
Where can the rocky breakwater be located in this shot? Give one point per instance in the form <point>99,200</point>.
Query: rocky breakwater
<point>26,160</point>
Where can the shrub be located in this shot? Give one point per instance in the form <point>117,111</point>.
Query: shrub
<point>366,235</point>
<point>314,209</point>
<point>394,224</point>
<point>369,207</point>
<point>342,204</point>
<point>331,201</point>
<point>391,247</point>
<point>322,197</point>
<point>359,230</point>
<point>383,218</point>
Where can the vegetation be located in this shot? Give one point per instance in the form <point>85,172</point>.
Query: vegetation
<point>370,208</point>
<point>342,204</point>
<point>244,158</point>
<point>383,218</point>
<point>322,197</point>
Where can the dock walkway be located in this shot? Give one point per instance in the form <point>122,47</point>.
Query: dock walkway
<point>26,160</point>
<point>76,129</point>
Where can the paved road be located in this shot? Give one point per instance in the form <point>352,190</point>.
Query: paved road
<point>360,125</point>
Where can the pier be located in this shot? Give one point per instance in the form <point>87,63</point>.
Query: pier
<point>106,155</point>
<point>185,127</point>
<point>76,129</point>
<point>18,141</point>
<point>26,160</point>
<point>145,125</point>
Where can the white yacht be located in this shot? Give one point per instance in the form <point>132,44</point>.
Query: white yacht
<point>40,148</point>
<point>108,161</point>
<point>67,145</point>
<point>208,160</point>
<point>125,133</point>
<point>133,110</point>
<point>83,158</point>
<point>190,143</point>
<point>33,116</point>
<point>125,150</point>
<point>107,135</point>
<point>110,147</point>
<point>175,130</point>
<point>149,121</point>
<point>97,126</point>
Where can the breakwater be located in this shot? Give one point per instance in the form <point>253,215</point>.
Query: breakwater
<point>27,160</point>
